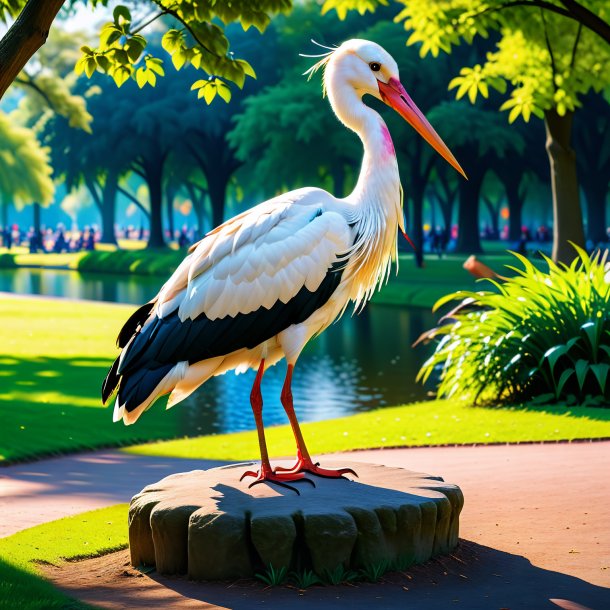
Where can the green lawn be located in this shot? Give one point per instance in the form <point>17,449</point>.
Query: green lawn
<point>86,535</point>
<point>54,355</point>
<point>439,422</point>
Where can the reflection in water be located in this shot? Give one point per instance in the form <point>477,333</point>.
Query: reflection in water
<point>359,363</point>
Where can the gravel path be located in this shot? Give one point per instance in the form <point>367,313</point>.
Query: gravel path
<point>536,525</point>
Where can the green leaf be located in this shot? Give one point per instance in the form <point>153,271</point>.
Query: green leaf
<point>565,376</point>
<point>209,92</point>
<point>601,374</point>
<point>121,15</point>
<point>224,92</point>
<point>109,35</point>
<point>155,65</point>
<point>553,354</point>
<point>582,368</point>
<point>90,66</point>
<point>141,77</point>
<point>172,40</point>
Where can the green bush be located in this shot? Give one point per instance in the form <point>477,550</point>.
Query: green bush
<point>7,261</point>
<point>542,337</point>
<point>141,262</point>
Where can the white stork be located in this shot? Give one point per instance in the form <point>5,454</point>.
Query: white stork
<point>257,288</point>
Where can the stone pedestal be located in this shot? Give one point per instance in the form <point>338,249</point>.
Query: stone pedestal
<point>209,525</point>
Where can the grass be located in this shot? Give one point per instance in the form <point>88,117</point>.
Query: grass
<point>439,422</point>
<point>54,355</point>
<point>86,535</point>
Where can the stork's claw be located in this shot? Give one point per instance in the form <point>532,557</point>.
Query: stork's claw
<point>307,465</point>
<point>266,475</point>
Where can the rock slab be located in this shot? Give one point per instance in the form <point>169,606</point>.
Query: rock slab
<point>209,525</point>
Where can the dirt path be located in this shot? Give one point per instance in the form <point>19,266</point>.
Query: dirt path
<point>536,528</point>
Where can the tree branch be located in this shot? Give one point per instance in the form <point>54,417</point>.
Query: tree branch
<point>550,49</point>
<point>575,47</point>
<point>27,34</point>
<point>573,10</point>
<point>133,199</point>
<point>28,82</point>
<point>588,18</point>
<point>174,13</point>
<point>154,18</point>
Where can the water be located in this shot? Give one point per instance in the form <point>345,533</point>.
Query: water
<point>360,363</point>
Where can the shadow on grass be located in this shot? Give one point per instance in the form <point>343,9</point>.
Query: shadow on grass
<point>24,589</point>
<point>53,405</point>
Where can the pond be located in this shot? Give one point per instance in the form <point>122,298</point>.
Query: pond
<point>360,363</point>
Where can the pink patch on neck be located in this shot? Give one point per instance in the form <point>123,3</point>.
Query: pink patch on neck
<point>387,141</point>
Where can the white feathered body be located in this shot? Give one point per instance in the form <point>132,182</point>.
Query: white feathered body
<point>277,257</point>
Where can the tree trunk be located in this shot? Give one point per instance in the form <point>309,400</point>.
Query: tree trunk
<point>217,189</point>
<point>36,218</point>
<point>567,214</point>
<point>169,206</point>
<point>25,37</point>
<point>108,209</point>
<point>4,214</point>
<point>515,207</point>
<point>416,230</point>
<point>596,193</point>
<point>494,217</point>
<point>469,240</point>
<point>153,170</point>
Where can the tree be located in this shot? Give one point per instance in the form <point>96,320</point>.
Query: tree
<point>463,137</point>
<point>549,58</point>
<point>549,62</point>
<point>592,143</point>
<point>582,13</point>
<point>193,38</point>
<point>290,116</point>
<point>25,174</point>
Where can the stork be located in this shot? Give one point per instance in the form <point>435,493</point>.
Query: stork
<point>257,288</point>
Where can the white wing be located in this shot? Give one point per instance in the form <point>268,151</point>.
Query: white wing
<point>262,256</point>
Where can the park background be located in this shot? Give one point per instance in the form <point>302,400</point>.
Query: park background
<point>103,188</point>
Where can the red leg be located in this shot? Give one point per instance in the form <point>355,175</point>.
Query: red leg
<point>304,461</point>
<point>266,473</point>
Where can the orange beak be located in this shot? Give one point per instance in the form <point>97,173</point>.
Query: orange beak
<point>395,96</point>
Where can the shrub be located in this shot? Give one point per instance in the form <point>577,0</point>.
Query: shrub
<point>141,262</point>
<point>542,337</point>
<point>7,261</point>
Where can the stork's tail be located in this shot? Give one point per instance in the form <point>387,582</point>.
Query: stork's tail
<point>140,388</point>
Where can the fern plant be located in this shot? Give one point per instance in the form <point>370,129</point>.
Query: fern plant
<point>273,577</point>
<point>541,337</point>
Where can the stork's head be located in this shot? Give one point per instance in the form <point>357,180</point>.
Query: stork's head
<point>364,67</point>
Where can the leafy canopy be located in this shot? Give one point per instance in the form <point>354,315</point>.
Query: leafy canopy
<point>25,174</point>
<point>548,60</point>
<point>194,34</point>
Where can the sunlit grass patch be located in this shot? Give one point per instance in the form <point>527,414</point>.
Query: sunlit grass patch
<point>56,354</point>
<point>86,535</point>
<point>439,422</point>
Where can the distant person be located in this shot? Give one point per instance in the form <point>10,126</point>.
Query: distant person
<point>60,243</point>
<point>89,239</point>
<point>7,238</point>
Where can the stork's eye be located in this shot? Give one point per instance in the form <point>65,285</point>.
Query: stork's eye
<point>374,66</point>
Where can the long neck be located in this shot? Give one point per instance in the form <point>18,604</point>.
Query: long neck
<point>375,203</point>
<point>378,182</point>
